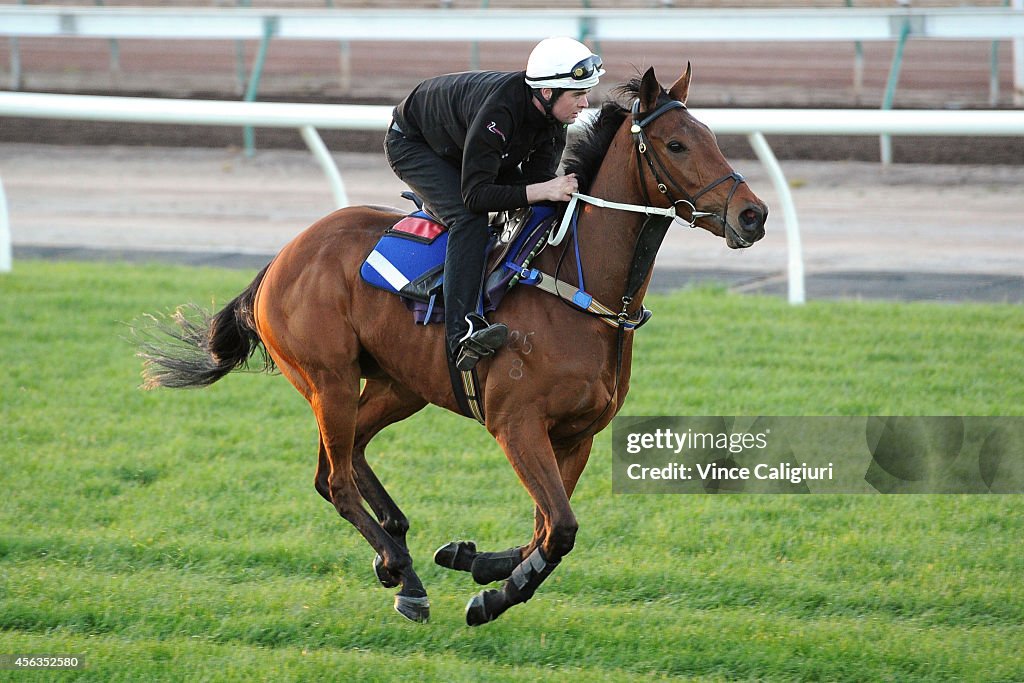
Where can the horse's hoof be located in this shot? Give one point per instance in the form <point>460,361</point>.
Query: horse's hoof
<point>386,578</point>
<point>413,608</point>
<point>477,611</point>
<point>456,555</point>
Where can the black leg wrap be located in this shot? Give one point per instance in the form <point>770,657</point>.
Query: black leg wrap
<point>489,567</point>
<point>458,555</point>
<point>486,606</point>
<point>527,576</point>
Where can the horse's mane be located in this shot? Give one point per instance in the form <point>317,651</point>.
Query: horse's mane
<point>585,154</point>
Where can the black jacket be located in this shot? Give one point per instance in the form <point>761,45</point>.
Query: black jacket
<point>485,123</point>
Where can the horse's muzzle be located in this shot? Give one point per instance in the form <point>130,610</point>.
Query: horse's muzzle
<point>749,228</point>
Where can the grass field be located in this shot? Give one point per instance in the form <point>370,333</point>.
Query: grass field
<point>177,536</point>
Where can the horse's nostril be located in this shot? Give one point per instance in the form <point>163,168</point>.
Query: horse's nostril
<point>751,219</point>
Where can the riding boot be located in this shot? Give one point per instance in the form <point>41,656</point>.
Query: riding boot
<point>481,340</point>
<point>470,336</point>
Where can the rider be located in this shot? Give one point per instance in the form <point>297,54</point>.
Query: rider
<point>481,141</point>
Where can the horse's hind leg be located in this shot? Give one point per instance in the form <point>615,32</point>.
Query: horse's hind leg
<point>323,473</point>
<point>381,403</point>
<point>335,405</point>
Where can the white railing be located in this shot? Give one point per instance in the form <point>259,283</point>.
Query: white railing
<point>754,123</point>
<point>424,25</point>
<point>632,25</point>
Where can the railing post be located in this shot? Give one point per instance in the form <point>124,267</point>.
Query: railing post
<point>474,48</point>
<point>15,63</point>
<point>345,63</point>
<point>993,71</point>
<point>993,76</point>
<point>858,70</point>
<point>858,64</point>
<point>240,75</point>
<point>885,142</point>
<point>1018,63</point>
<point>587,29</point>
<point>115,48</point>
<point>16,79</point>
<point>323,157</point>
<point>794,247</point>
<point>269,29</point>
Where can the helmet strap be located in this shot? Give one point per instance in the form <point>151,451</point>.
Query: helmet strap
<point>548,103</point>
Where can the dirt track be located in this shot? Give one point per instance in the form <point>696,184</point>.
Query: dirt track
<point>853,215</point>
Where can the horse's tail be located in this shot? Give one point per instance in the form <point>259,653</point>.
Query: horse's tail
<point>195,349</point>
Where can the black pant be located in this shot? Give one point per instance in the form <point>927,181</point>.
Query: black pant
<point>439,184</point>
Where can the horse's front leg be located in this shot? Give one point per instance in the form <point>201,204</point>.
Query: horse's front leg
<point>540,471</point>
<point>487,567</point>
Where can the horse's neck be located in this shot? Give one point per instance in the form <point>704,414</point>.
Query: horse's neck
<point>608,237</point>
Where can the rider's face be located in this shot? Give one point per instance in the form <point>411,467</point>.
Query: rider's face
<point>570,104</point>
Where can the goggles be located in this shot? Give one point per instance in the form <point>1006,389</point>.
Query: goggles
<point>583,69</point>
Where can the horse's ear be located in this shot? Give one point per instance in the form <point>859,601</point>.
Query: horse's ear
<point>681,88</point>
<point>650,90</point>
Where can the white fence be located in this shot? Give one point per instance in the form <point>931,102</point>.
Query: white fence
<point>670,24</point>
<point>632,25</point>
<point>754,123</point>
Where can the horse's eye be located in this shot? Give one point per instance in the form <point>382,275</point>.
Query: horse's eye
<point>676,147</point>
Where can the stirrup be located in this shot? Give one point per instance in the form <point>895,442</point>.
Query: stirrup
<point>481,341</point>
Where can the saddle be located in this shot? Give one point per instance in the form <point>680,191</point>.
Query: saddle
<point>408,259</point>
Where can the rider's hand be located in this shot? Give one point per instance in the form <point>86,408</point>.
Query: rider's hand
<point>558,189</point>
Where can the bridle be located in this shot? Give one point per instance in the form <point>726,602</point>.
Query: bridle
<point>661,174</point>
<point>651,234</point>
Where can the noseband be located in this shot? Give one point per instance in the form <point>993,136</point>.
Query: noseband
<point>661,174</point>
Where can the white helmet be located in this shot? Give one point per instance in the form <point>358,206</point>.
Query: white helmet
<point>563,63</point>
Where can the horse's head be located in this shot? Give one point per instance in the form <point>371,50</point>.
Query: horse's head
<point>678,156</point>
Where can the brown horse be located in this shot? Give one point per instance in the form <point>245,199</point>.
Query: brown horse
<point>561,380</point>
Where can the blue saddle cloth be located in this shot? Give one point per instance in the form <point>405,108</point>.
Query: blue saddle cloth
<point>407,255</point>
<point>408,260</point>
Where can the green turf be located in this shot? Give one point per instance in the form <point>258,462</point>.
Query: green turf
<point>176,535</point>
